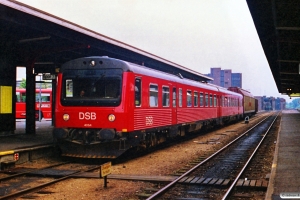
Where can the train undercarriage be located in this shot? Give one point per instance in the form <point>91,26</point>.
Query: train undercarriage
<point>107,143</point>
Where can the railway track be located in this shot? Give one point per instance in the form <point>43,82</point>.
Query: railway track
<point>22,182</point>
<point>27,192</point>
<point>219,173</point>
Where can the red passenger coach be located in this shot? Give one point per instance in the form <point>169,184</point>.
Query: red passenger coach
<point>106,106</point>
<point>43,103</point>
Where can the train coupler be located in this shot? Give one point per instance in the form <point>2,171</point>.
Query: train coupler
<point>122,143</point>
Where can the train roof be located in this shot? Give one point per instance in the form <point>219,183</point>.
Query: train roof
<point>106,62</point>
<point>241,91</point>
<point>225,90</point>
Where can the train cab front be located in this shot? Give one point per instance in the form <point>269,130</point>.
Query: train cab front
<point>89,114</point>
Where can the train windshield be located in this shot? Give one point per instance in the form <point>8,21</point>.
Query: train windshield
<point>92,87</point>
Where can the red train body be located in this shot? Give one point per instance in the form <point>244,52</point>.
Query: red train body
<point>44,107</point>
<point>126,105</point>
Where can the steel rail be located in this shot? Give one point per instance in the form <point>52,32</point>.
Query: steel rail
<point>15,194</point>
<point>30,171</point>
<point>248,161</point>
<point>162,190</point>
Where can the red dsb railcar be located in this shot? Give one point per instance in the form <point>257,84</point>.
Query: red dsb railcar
<point>106,106</point>
<point>44,107</point>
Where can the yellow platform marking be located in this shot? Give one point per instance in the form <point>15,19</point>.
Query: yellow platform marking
<point>3,153</point>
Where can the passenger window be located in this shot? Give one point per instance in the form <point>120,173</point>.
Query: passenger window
<point>206,100</point>
<point>174,97</point>
<point>215,100</point>
<point>210,100</point>
<point>137,92</point>
<point>195,99</point>
<point>23,95</point>
<point>189,98</point>
<point>222,101</point>
<point>180,97</point>
<point>165,96</point>
<point>153,96</point>
<point>201,99</point>
<point>18,97</point>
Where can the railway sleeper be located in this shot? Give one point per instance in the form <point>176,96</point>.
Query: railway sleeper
<point>242,183</point>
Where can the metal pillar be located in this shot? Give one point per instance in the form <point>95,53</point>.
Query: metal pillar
<point>30,99</point>
<point>53,101</point>
<point>8,91</point>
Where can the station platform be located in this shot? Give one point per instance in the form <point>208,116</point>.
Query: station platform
<point>20,140</point>
<point>284,181</point>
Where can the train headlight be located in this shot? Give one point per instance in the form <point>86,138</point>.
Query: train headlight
<point>111,117</point>
<point>66,117</point>
<point>92,63</point>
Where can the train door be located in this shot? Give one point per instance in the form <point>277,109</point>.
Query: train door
<point>219,107</point>
<point>138,92</point>
<point>174,105</point>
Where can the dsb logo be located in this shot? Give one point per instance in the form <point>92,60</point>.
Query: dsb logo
<point>87,115</point>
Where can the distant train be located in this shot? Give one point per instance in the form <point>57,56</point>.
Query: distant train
<point>105,106</point>
<point>43,103</point>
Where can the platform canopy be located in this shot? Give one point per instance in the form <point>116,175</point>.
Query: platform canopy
<point>278,25</point>
<point>49,41</point>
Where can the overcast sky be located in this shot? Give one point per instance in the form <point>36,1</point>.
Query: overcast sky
<point>198,34</point>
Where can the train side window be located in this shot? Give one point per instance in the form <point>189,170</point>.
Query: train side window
<point>18,97</point>
<point>174,97</point>
<point>195,99</point>
<point>153,96</point>
<point>215,100</point>
<point>137,92</point>
<point>189,98</point>
<point>45,97</point>
<point>201,99</point>
<point>23,95</point>
<point>165,96</point>
<point>206,100</point>
<point>210,100</point>
<point>180,98</point>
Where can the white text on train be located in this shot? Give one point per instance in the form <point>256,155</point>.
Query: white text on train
<point>87,115</point>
